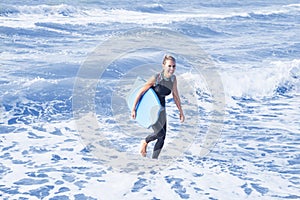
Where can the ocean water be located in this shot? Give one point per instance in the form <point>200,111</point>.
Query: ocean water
<point>252,48</point>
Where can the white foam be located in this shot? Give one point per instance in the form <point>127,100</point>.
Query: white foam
<point>219,179</point>
<point>258,82</point>
<point>28,16</point>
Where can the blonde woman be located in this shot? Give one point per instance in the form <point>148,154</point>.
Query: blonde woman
<point>163,83</point>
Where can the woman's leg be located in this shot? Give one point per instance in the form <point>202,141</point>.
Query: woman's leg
<point>159,134</point>
<point>160,142</point>
<point>143,148</point>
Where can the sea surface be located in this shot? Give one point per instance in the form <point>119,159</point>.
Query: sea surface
<point>253,49</point>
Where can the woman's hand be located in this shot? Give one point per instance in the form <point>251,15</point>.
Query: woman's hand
<point>182,117</point>
<point>133,114</point>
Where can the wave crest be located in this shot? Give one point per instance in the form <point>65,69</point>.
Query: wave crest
<point>153,8</point>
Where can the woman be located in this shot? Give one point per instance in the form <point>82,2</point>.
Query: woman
<point>163,83</point>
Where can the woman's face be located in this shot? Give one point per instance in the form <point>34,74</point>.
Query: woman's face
<point>169,68</point>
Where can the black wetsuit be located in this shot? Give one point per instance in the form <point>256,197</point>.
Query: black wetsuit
<point>162,88</point>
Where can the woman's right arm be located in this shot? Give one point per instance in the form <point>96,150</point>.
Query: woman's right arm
<point>142,91</point>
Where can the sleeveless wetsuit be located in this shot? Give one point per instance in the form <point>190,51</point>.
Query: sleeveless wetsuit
<point>162,88</point>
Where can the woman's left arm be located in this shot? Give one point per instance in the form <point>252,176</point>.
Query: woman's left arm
<point>177,99</point>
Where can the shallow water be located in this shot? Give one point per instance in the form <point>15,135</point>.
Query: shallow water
<point>253,47</point>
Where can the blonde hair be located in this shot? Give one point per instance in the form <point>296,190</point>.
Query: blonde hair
<point>168,57</point>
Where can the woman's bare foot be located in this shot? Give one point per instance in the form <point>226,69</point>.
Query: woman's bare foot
<point>143,148</point>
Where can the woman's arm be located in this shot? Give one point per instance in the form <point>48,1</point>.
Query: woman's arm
<point>142,91</point>
<point>177,100</point>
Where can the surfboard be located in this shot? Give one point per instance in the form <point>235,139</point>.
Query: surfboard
<point>148,108</point>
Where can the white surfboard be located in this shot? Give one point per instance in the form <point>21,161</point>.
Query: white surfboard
<point>148,108</point>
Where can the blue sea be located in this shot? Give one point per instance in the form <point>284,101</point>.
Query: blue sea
<point>66,67</point>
